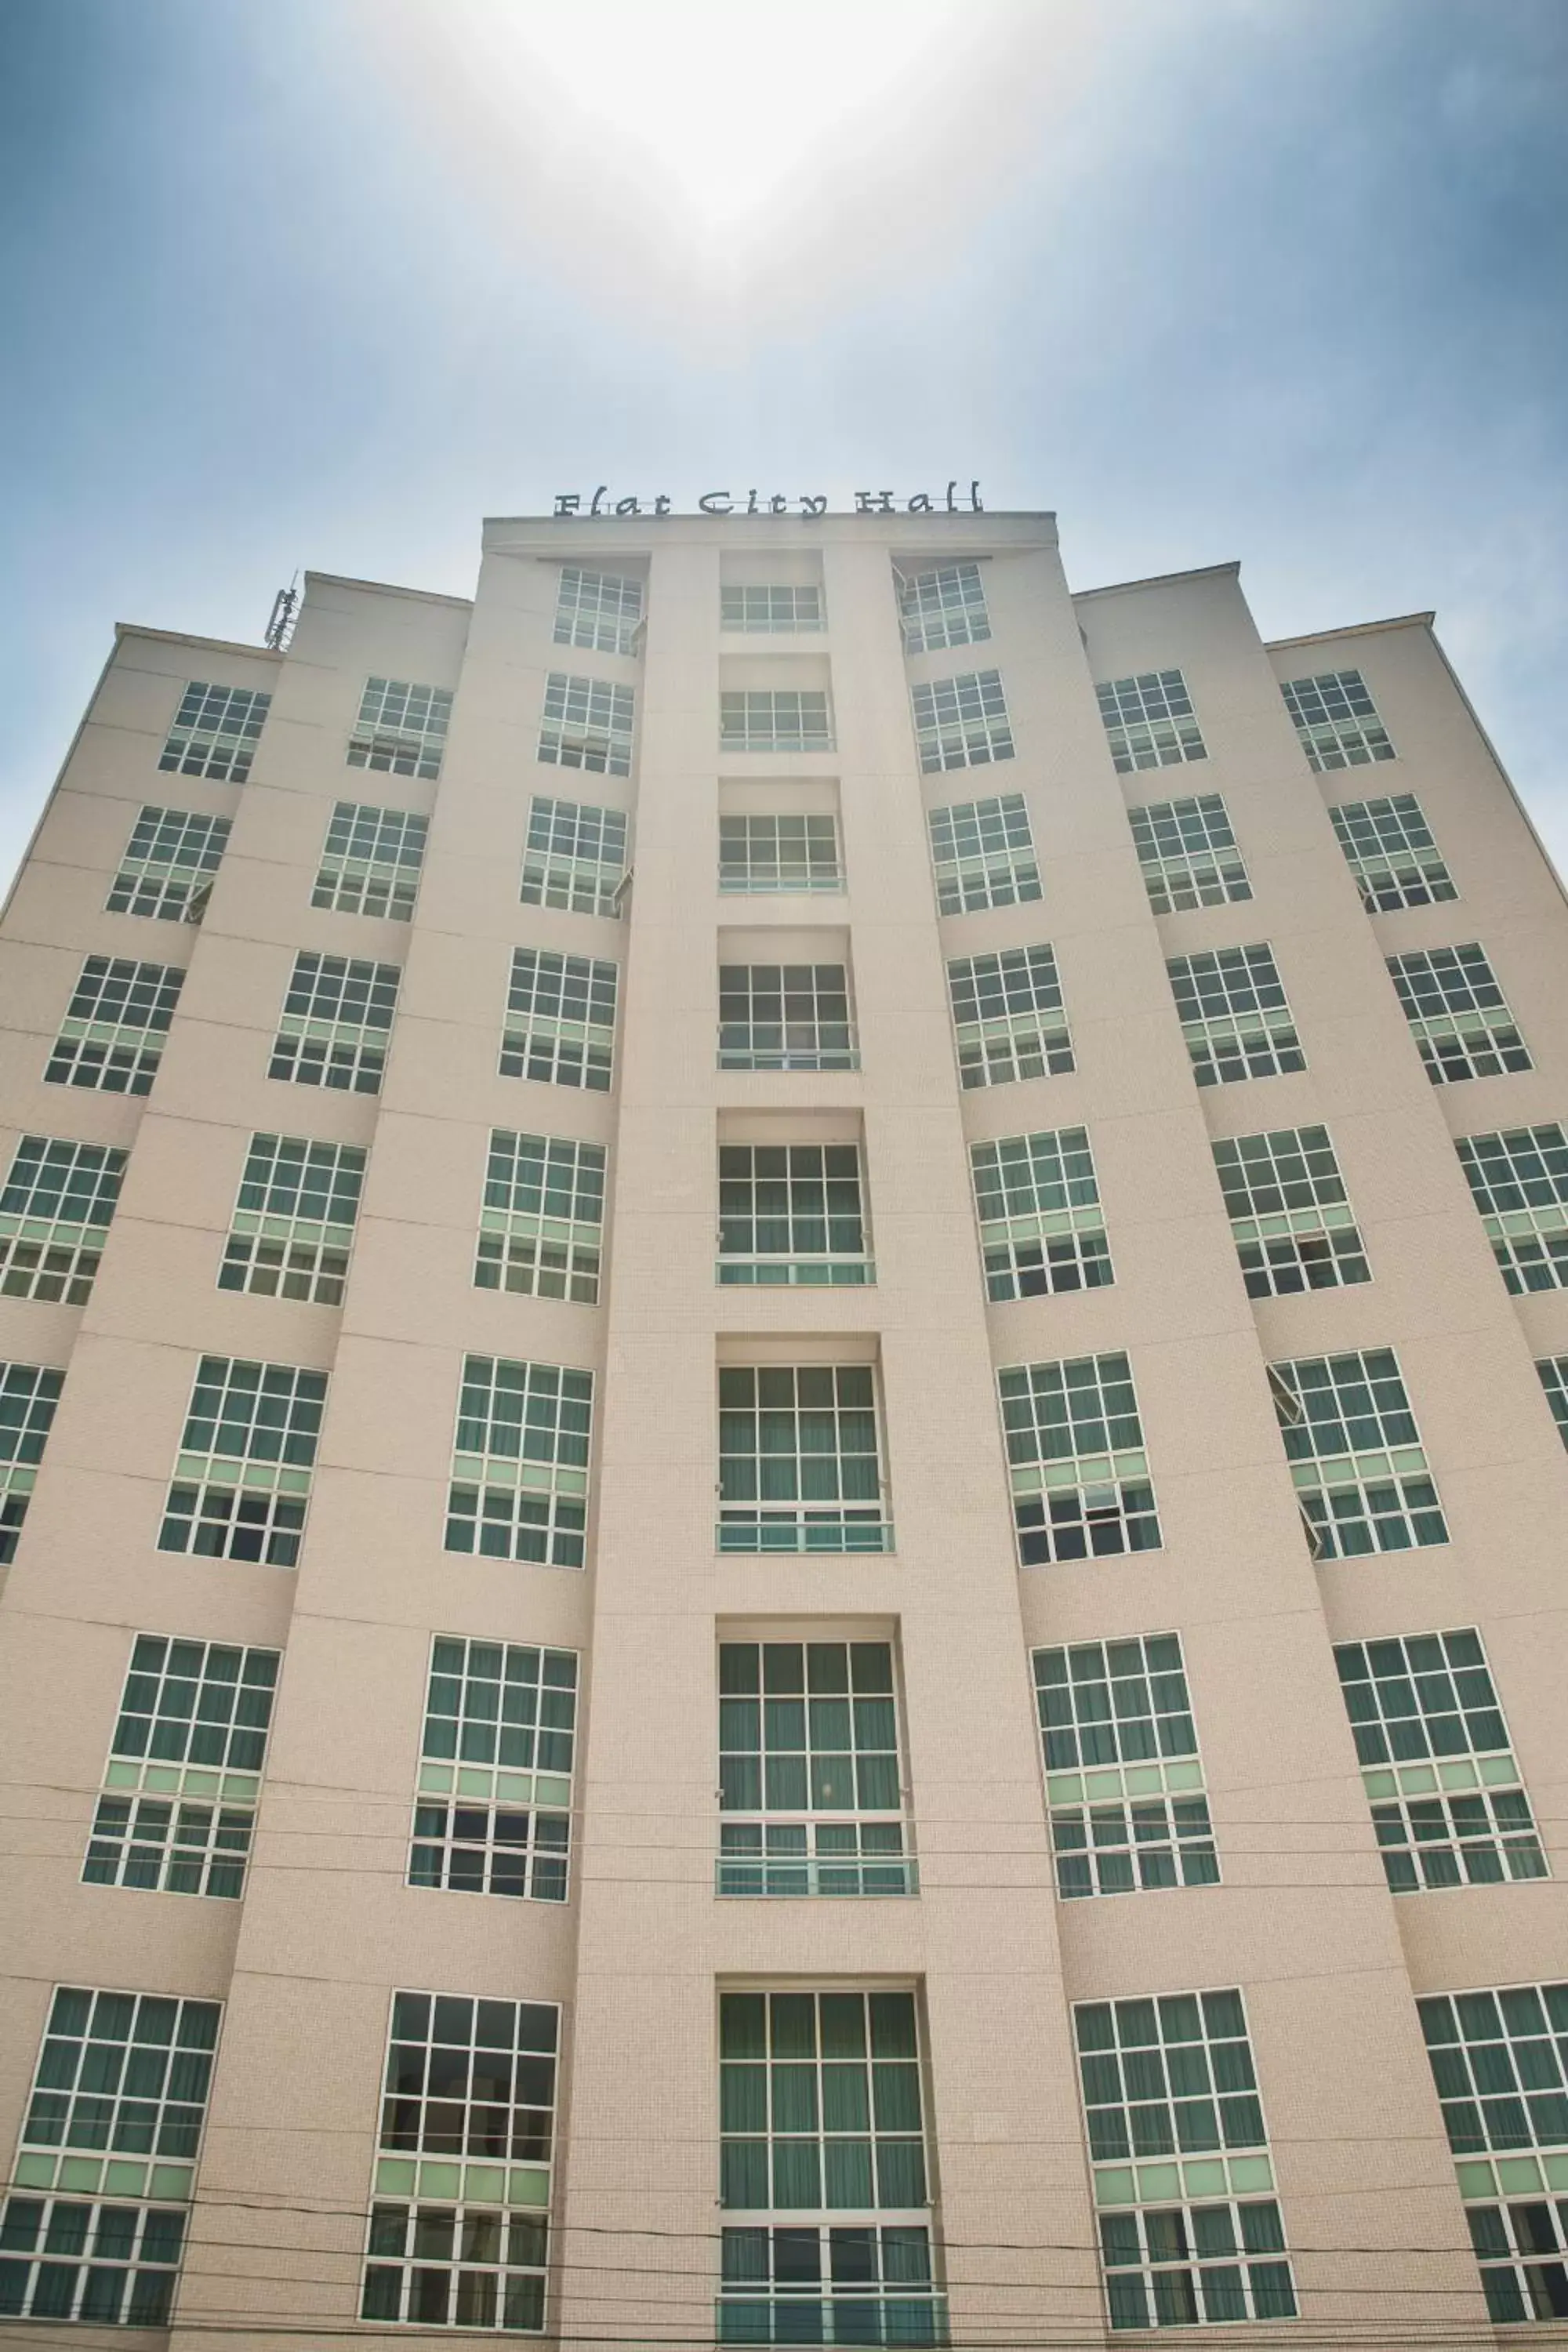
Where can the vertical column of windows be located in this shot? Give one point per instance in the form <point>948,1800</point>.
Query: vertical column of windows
<point>1187,855</point>
<point>1336,720</point>
<point>112,1036</point>
<point>216,732</point>
<point>982,854</point>
<point>810,1789</point>
<point>1042,1228</point>
<point>184,1774</point>
<point>775,720</point>
<point>1520,1183</point>
<point>1007,1018</point>
<point>401,728</point>
<point>600,610</point>
<point>786,1017</point>
<point>793,1214</point>
<point>1188,2233</point>
<point>1076,1461</point>
<point>242,1482</point>
<point>458,2231</point>
<point>560,1020</point>
<point>822,2141</point>
<point>168,866</point>
<point>1448,1799</point>
<point>56,1209</point>
<point>1235,1016</point>
<point>1389,848</point>
<point>494,1811</point>
<point>293,1223</point>
<point>336,1020</point>
<point>1459,1016</point>
<point>1149,721</point>
<point>519,1469</point>
<point>28,1395</point>
<point>799,1459</point>
<point>1361,1477</point>
<point>1499,2061</point>
<point>945,607</point>
<point>575,859</point>
<point>1291,1220</point>
<point>961,722</point>
<point>541,1224</point>
<point>1123,1778</point>
<point>372,861</point>
<point>93,2226</point>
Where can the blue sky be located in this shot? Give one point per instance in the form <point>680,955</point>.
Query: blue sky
<point>321,282</point>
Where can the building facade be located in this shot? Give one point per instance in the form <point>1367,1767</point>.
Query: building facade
<point>783,1405</point>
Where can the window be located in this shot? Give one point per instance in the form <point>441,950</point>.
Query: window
<point>560,1020</point>
<point>597,609</point>
<point>586,723</point>
<point>1075,1452</point>
<point>792,1214</point>
<point>28,1395</point>
<point>779,853</point>
<point>791,1016</point>
<point>576,857</point>
<point>1554,1370</point>
<point>1041,1225</point>
<point>184,1774</point>
<point>1234,1015</point>
<point>293,1223</point>
<point>945,607</point>
<point>1008,1017</point>
<point>961,722</point>
<point>1458,1013</point>
<point>55,1213</point>
<point>215,733</point>
<point>809,1785</point>
<point>459,2225</point>
<point>770,611</point>
<point>336,1020</point>
<point>1519,1179</point>
<point>1188,854</point>
<point>1184,2239</point>
<point>1149,720</point>
<point>243,1478</point>
<point>1123,1780</point>
<point>1497,2061</point>
<point>168,866</point>
<point>983,854</point>
<point>494,1811</point>
<point>112,1036</point>
<point>1293,1225</point>
<point>799,1461</point>
<point>372,861</point>
<point>1336,720</point>
<point>1389,848</point>
<point>95,2234</point>
<point>520,1471</point>
<point>1448,1799</point>
<point>1362,1481</point>
<point>775,720</point>
<point>401,728</point>
<point>543,1223</point>
<point>823,2139</point>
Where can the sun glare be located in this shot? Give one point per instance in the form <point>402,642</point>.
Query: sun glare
<point>737,106</point>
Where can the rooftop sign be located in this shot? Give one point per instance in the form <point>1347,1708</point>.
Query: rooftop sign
<point>568,504</point>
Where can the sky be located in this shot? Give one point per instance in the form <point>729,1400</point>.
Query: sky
<point>320,283</point>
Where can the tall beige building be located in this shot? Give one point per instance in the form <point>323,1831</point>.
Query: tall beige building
<point>786,1362</point>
